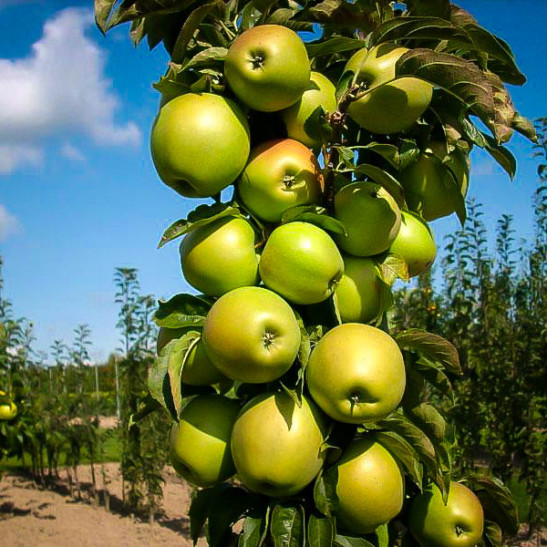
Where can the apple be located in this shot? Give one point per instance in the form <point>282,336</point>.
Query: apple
<point>200,143</point>
<point>280,174</point>
<point>200,442</point>
<point>359,294</point>
<point>251,334</point>
<point>369,486</point>
<point>415,244</point>
<point>320,92</point>
<point>8,410</point>
<point>370,215</point>
<point>356,373</point>
<point>276,445</point>
<point>198,369</point>
<point>386,107</point>
<point>220,256</point>
<point>459,523</point>
<point>267,67</point>
<point>301,262</point>
<point>429,183</point>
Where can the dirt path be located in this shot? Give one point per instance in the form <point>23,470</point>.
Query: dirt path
<point>30,515</point>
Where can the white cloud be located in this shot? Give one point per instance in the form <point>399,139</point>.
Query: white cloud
<point>58,90</point>
<point>8,223</point>
<point>70,152</point>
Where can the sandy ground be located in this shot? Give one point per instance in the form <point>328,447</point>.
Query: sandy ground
<point>34,516</point>
<point>30,515</point>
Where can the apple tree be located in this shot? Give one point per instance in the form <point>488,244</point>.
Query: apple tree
<point>319,139</point>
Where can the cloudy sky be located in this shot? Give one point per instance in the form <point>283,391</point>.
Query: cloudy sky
<point>78,192</point>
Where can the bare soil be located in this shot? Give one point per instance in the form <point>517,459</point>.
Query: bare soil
<point>49,516</point>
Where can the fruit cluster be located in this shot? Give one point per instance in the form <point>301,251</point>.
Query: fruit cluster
<point>8,409</point>
<point>293,279</point>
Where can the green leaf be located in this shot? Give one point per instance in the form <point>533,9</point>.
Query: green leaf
<point>351,541</point>
<point>305,342</point>
<point>461,78</point>
<point>201,216</point>
<point>320,531</point>
<point>207,57</point>
<point>199,510</point>
<point>338,13</point>
<point>389,152</point>
<point>324,492</point>
<point>432,346</point>
<point>178,354</point>
<point>103,9</point>
<point>402,450</point>
<point>382,535</point>
<point>287,525</point>
<point>419,441</point>
<point>255,527</point>
<point>226,507</point>
<point>493,533</point>
<point>158,380</point>
<point>317,126</point>
<point>435,8</point>
<point>192,22</point>
<point>314,215</point>
<point>182,310</point>
<point>145,407</point>
<point>336,44</point>
<point>429,28</point>
<point>496,500</point>
<point>393,267</point>
<point>434,375</point>
<point>429,419</point>
<point>384,179</point>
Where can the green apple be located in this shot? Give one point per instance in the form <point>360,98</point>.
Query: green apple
<point>386,107</point>
<point>356,373</point>
<point>429,182</point>
<point>415,244</point>
<point>281,174</point>
<point>370,487</point>
<point>220,256</point>
<point>370,215</point>
<point>200,442</point>
<point>198,369</point>
<point>359,294</point>
<point>320,92</point>
<point>251,334</point>
<point>200,143</point>
<point>301,262</point>
<point>459,523</point>
<point>267,67</point>
<point>8,410</point>
<point>277,445</point>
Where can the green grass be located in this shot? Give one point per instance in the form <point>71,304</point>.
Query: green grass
<point>111,452</point>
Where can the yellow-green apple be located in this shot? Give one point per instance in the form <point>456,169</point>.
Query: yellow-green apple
<point>200,441</point>
<point>370,487</point>
<point>277,445</point>
<point>320,92</point>
<point>356,373</point>
<point>415,244</point>
<point>370,215</point>
<point>267,67</point>
<point>198,369</point>
<point>280,174</point>
<point>8,409</point>
<point>200,143</point>
<point>220,256</point>
<point>301,262</point>
<point>359,294</point>
<point>388,105</point>
<point>431,184</point>
<point>459,523</point>
<point>251,334</point>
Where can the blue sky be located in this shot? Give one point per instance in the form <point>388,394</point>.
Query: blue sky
<point>78,192</point>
